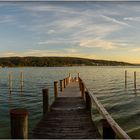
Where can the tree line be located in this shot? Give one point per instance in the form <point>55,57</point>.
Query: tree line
<point>55,62</point>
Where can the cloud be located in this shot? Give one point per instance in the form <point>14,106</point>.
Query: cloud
<point>7,19</point>
<point>135,50</point>
<point>98,43</point>
<point>132,19</point>
<point>113,20</point>
<point>43,53</point>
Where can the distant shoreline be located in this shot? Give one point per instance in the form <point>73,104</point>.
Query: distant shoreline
<point>57,62</point>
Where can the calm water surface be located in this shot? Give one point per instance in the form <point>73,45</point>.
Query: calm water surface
<point>107,83</point>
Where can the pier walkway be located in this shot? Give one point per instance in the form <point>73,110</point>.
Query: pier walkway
<point>68,118</point>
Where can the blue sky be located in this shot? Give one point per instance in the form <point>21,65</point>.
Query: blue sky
<point>98,30</point>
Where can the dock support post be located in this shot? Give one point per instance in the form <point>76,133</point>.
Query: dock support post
<point>45,101</point>
<point>108,132</point>
<point>64,83</point>
<point>10,83</point>
<point>78,75</point>
<point>88,101</point>
<point>61,85</point>
<point>125,79</point>
<point>19,123</point>
<point>55,89</point>
<point>82,89</point>
<point>21,76</point>
<point>135,82</point>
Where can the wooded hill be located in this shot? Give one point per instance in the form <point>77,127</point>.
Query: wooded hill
<point>56,62</point>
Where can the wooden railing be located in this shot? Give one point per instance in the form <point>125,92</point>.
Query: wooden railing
<point>110,128</point>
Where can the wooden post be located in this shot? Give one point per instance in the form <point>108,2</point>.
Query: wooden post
<point>69,77</point>
<point>21,81</point>
<point>88,101</point>
<point>10,83</point>
<point>78,74</point>
<point>135,82</point>
<point>82,89</point>
<point>64,83</point>
<point>125,79</point>
<point>79,83</point>
<point>19,123</point>
<point>55,89</point>
<point>61,85</point>
<point>45,101</point>
<point>108,132</point>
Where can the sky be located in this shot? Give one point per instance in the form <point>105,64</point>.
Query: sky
<point>96,30</point>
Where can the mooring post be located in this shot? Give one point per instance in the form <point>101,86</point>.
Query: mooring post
<point>135,82</point>
<point>21,76</point>
<point>80,81</point>
<point>55,89</point>
<point>78,74</point>
<point>82,90</point>
<point>45,101</point>
<point>108,132</point>
<point>88,101</point>
<point>69,77</point>
<point>64,83</point>
<point>61,85</point>
<point>19,123</point>
<point>10,83</point>
<point>125,79</point>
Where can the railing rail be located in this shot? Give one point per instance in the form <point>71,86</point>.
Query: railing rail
<point>103,112</point>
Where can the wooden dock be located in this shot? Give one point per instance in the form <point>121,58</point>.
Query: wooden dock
<point>68,118</point>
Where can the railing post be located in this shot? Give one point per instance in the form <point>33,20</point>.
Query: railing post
<point>135,80</point>
<point>45,101</point>
<point>64,83</point>
<point>108,132</point>
<point>88,101</point>
<point>21,76</point>
<point>125,79</point>
<point>55,89</point>
<point>78,74</point>
<point>61,85</point>
<point>19,123</point>
<point>10,83</point>
<point>82,89</point>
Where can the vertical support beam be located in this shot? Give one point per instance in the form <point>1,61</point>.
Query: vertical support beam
<point>135,82</point>
<point>61,85</point>
<point>80,81</point>
<point>82,90</point>
<point>21,76</point>
<point>78,74</point>
<point>88,101</point>
<point>108,132</point>
<point>69,77</point>
<point>125,79</point>
<point>64,83</point>
<point>19,123</point>
<point>45,101</point>
<point>55,89</point>
<point>10,83</point>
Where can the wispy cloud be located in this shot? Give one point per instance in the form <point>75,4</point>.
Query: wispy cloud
<point>7,19</point>
<point>98,43</point>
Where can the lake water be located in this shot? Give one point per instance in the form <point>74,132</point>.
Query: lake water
<point>107,83</point>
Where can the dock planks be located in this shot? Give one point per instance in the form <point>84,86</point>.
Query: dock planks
<point>68,118</point>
